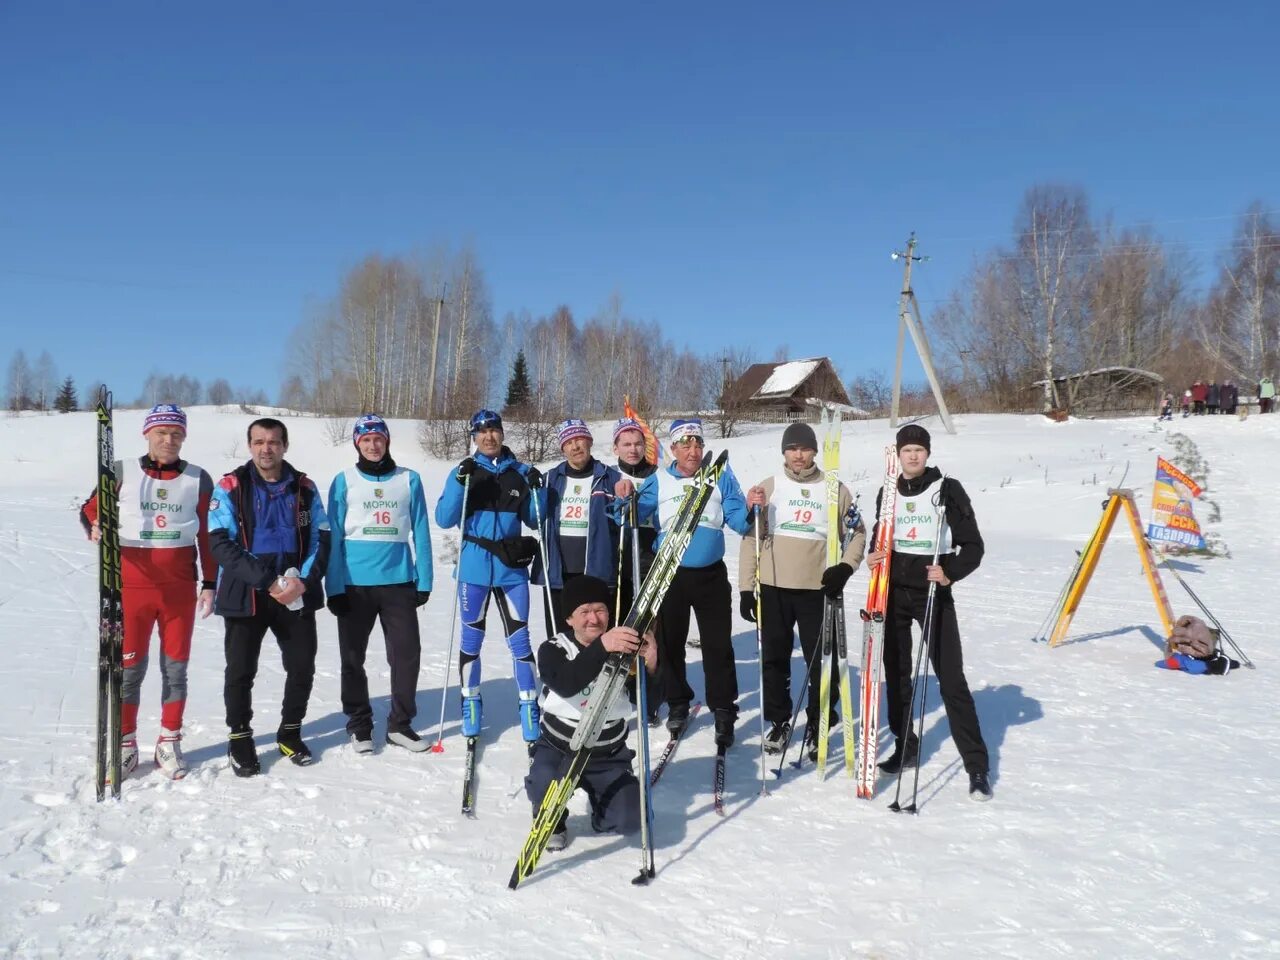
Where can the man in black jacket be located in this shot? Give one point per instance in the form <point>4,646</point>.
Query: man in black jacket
<point>921,489</point>
<point>269,533</point>
<point>568,665</point>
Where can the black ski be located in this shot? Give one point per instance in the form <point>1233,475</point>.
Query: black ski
<point>719,779</point>
<point>469,780</point>
<point>669,750</point>
<point>111,611</point>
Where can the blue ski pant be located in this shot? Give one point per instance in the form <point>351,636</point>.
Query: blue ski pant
<point>512,604</point>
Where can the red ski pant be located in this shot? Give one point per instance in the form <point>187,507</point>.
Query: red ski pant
<point>171,608</point>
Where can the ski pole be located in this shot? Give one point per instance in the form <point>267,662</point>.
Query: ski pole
<point>764,787</point>
<point>1222,631</point>
<point>795,714</point>
<point>438,746</point>
<point>546,567</point>
<point>647,871</point>
<point>921,668</point>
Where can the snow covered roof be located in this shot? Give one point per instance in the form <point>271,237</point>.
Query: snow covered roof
<point>786,378</point>
<point>1126,371</point>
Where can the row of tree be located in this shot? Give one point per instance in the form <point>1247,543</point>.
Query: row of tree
<point>416,337</point>
<point>1072,294</point>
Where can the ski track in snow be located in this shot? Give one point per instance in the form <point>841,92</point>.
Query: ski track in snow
<point>1135,813</point>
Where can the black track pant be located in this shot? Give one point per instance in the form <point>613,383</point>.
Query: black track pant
<point>611,786</point>
<point>905,605</point>
<point>704,592</point>
<point>395,606</point>
<point>295,633</point>
<point>782,610</point>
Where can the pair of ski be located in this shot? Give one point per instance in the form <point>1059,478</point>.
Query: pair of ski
<point>612,680</point>
<point>107,746</point>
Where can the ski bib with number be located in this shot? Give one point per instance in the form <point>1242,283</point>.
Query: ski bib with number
<point>575,507</point>
<point>158,513</point>
<point>915,523</point>
<point>378,510</point>
<point>798,510</point>
<point>672,490</point>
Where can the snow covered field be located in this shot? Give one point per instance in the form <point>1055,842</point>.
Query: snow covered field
<point>1135,813</point>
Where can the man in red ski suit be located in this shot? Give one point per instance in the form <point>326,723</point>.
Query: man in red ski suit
<point>164,518</point>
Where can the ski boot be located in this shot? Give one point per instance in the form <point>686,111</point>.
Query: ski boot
<point>289,741</point>
<point>243,754</point>
<point>472,713</point>
<point>530,718</point>
<point>168,755</point>
<point>128,755</point>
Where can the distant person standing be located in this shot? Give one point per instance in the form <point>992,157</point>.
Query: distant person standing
<point>377,510</point>
<point>1230,398</point>
<point>580,536</point>
<point>270,535</point>
<point>1266,395</point>
<point>1199,396</point>
<point>164,520</point>
<point>1213,397</point>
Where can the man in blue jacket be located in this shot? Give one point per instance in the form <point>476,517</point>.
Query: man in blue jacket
<point>375,509</point>
<point>269,533</point>
<point>581,535</point>
<point>701,583</point>
<point>493,562</point>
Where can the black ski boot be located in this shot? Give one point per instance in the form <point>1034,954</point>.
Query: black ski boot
<point>289,740</point>
<point>724,727</point>
<point>677,718</point>
<point>979,786</point>
<point>900,758</point>
<point>777,736</point>
<point>243,754</point>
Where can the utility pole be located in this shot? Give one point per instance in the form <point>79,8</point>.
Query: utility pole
<point>909,322</point>
<point>435,346</point>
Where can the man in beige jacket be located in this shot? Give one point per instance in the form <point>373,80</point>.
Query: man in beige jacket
<point>794,576</point>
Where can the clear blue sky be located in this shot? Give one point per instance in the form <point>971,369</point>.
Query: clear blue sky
<point>179,181</point>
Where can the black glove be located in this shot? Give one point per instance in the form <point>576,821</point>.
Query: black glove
<point>533,478</point>
<point>747,606</point>
<point>423,597</point>
<point>465,469</point>
<point>339,604</point>
<point>834,579</point>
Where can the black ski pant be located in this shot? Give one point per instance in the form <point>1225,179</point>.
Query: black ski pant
<point>395,606</point>
<point>295,633</point>
<point>705,593</point>
<point>782,609</point>
<point>611,785</point>
<point>906,604</point>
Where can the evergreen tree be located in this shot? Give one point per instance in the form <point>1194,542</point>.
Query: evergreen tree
<point>66,401</point>
<point>518,390</point>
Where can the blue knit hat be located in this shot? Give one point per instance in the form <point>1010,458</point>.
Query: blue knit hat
<point>680,429</point>
<point>369,423</point>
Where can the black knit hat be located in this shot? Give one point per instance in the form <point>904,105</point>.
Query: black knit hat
<point>582,590</point>
<point>913,433</point>
<point>799,435</point>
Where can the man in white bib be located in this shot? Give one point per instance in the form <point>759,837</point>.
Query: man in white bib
<point>794,576</point>
<point>379,570</point>
<point>568,665</point>
<point>700,586</point>
<point>921,489</point>
<point>581,538</point>
<point>164,518</point>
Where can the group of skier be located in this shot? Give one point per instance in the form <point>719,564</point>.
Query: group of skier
<point>263,549</point>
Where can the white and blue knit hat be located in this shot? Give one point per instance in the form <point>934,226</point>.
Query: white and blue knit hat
<point>680,429</point>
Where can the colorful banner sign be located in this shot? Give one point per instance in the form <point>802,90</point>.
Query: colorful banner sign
<point>1173,517</point>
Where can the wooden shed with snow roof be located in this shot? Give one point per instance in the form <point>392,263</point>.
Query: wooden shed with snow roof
<point>787,389</point>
